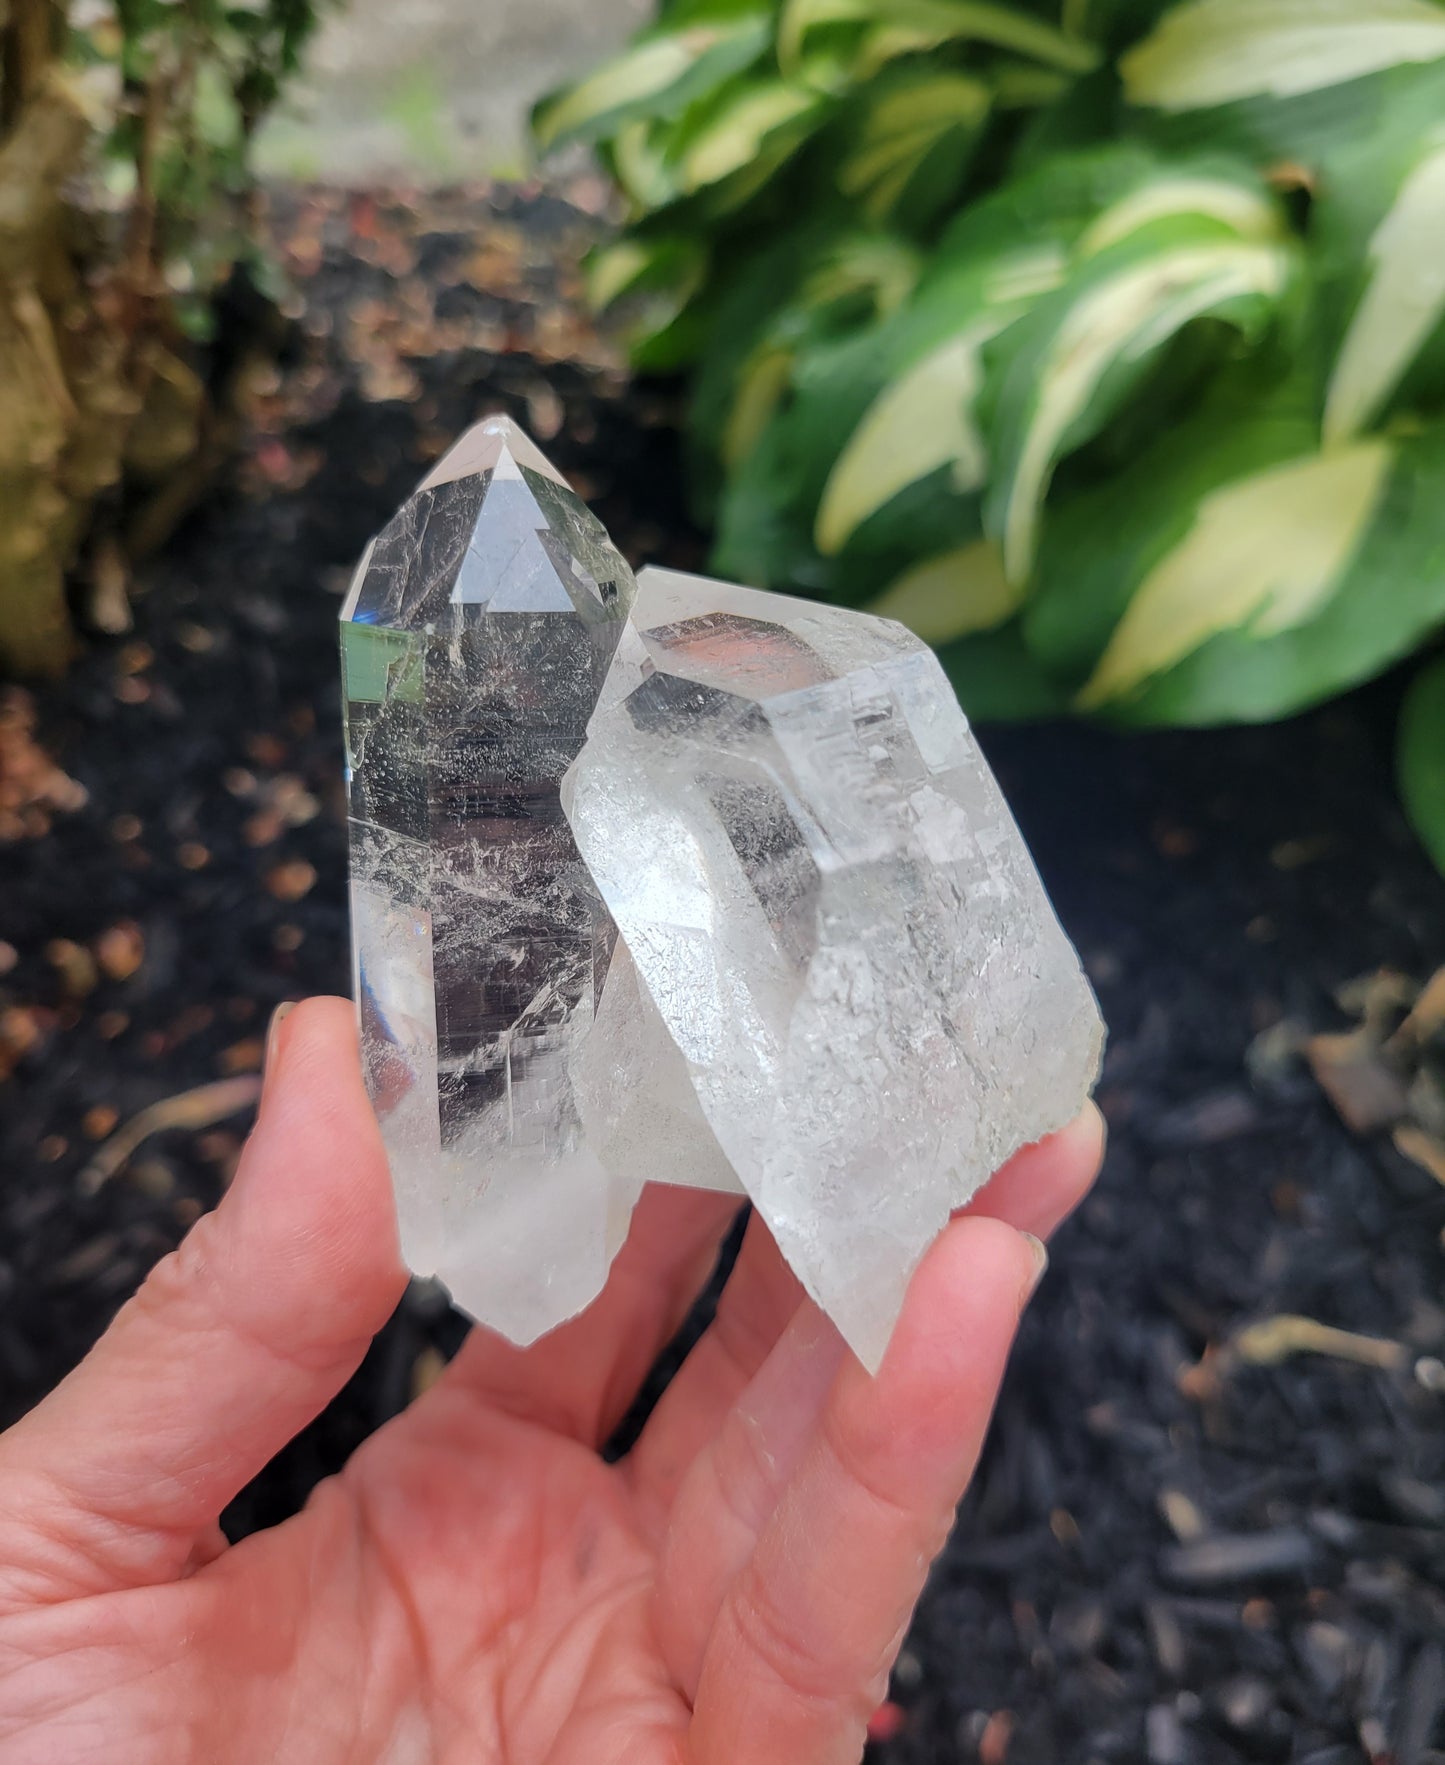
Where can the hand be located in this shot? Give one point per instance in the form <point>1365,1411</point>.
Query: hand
<point>477,1585</point>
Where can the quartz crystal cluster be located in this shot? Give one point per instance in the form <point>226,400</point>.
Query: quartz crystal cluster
<point>667,880</point>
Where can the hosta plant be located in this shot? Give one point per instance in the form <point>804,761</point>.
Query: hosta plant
<point>1101,341</point>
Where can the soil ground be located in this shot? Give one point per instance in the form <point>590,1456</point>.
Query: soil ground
<point>1169,1554</point>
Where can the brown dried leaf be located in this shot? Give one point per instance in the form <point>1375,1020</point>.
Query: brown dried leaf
<point>1352,1072</point>
<point>121,950</point>
<point>1422,1149</point>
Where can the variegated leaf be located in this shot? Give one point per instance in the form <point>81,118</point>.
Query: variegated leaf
<point>1263,555</point>
<point>1403,301</point>
<point>952,595</point>
<point>655,76</point>
<point>1110,324</point>
<point>1209,52</point>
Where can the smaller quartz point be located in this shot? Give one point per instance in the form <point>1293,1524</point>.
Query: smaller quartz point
<point>675,881</point>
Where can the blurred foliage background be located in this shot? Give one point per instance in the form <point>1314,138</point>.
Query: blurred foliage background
<point>126,298</point>
<point>1101,341</point>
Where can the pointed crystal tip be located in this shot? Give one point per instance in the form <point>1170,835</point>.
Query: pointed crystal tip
<point>494,443</point>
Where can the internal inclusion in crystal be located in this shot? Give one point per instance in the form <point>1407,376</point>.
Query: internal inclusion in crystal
<point>682,882</point>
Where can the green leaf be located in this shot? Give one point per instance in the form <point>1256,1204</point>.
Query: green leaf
<point>921,423</point>
<point>1263,555</point>
<point>758,127</point>
<point>998,260</point>
<point>905,123</point>
<point>1239,204</point>
<point>851,284</point>
<point>1209,52</point>
<point>1086,347</point>
<point>997,680</point>
<point>1387,594</point>
<point>637,152</point>
<point>1421,758</point>
<point>1099,544</point>
<point>952,595</point>
<point>918,24</point>
<point>664,262</point>
<point>761,387</point>
<point>1402,304</point>
<point>657,76</point>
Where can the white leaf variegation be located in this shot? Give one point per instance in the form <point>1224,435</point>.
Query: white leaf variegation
<point>1402,304</point>
<point>758,129</point>
<point>918,23</point>
<point>1116,322</point>
<point>901,129</point>
<point>1263,554</point>
<point>924,421</point>
<point>1209,52</point>
<point>654,76</point>
<point>951,595</point>
<point>641,73</point>
<point>1240,204</point>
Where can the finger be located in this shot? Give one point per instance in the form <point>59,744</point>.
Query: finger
<point>1035,1192</point>
<point>761,1297</point>
<point>799,1656</point>
<point>581,1378</point>
<point>233,1343</point>
<point>1041,1185</point>
<point>735,1483</point>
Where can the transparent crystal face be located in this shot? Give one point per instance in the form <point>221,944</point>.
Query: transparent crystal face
<point>675,881</point>
<point>476,639</point>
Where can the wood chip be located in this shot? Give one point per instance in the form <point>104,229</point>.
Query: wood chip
<point>1215,1562</point>
<point>121,950</point>
<point>1182,1515</point>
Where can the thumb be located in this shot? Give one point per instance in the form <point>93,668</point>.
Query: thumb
<point>235,1341</point>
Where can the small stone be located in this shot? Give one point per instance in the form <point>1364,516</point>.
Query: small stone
<point>120,950</point>
<point>74,964</point>
<point>99,1121</point>
<point>292,880</point>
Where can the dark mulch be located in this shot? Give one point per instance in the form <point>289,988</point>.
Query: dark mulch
<point>1157,1561</point>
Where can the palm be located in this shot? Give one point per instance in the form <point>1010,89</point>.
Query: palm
<point>478,1584</point>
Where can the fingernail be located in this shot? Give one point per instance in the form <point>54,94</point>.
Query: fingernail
<point>1040,1253</point>
<point>278,1017</point>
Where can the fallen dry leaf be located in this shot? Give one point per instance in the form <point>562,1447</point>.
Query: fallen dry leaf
<point>1422,1149</point>
<point>200,1108</point>
<point>1351,1070</point>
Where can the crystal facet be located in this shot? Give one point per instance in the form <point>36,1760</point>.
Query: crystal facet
<point>675,881</point>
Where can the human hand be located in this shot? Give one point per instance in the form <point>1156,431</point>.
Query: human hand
<point>477,1585</point>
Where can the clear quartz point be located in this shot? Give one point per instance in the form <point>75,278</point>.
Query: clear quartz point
<point>674,881</point>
